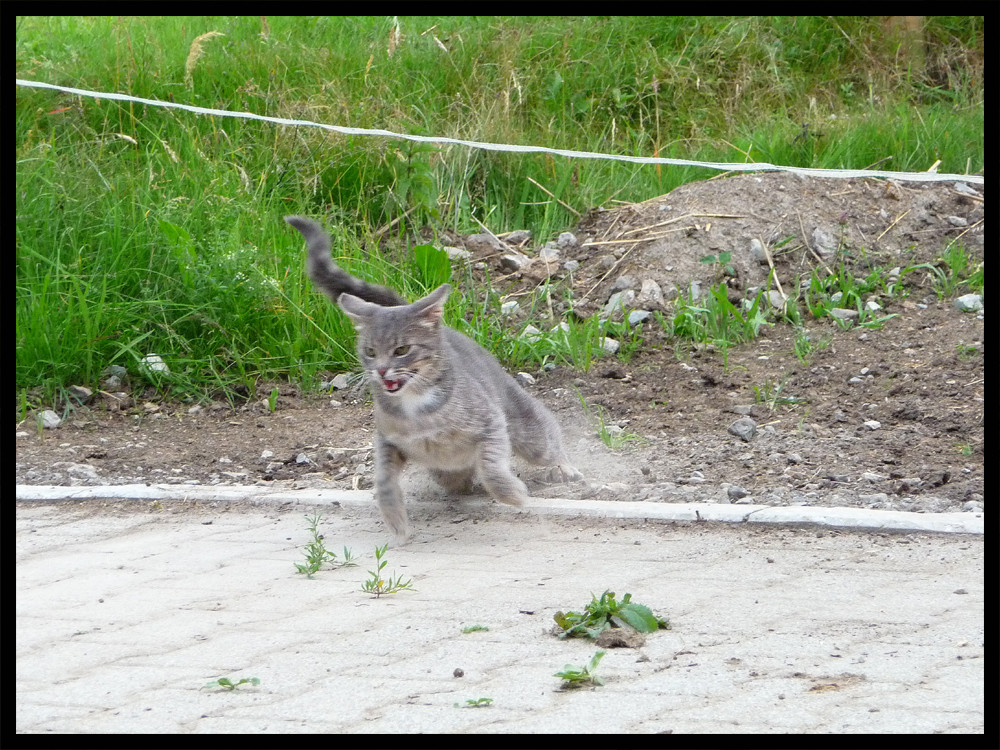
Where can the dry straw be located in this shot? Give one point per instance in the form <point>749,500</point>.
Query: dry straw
<point>194,54</point>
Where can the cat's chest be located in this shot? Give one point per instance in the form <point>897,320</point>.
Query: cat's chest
<point>444,439</point>
<point>445,449</point>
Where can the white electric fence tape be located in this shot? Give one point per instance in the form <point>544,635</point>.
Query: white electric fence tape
<point>722,166</point>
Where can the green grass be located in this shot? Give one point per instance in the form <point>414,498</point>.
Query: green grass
<point>613,436</point>
<point>145,230</point>
<point>714,319</point>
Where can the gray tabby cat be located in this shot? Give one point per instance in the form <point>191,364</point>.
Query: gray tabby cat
<point>441,400</point>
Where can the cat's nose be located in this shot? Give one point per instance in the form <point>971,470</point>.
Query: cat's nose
<point>381,371</point>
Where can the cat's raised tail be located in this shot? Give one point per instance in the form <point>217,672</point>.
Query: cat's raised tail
<point>330,278</point>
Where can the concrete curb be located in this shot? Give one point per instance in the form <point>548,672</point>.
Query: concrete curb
<point>842,518</point>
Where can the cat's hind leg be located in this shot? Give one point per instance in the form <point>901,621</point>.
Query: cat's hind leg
<point>563,472</point>
<point>543,446</point>
<point>535,436</point>
<point>495,473</point>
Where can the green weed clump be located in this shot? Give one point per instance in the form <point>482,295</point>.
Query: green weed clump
<point>607,612</point>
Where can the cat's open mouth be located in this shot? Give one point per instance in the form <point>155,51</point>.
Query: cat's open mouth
<point>391,386</point>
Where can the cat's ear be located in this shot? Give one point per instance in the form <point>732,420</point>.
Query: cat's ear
<point>356,308</point>
<point>431,308</point>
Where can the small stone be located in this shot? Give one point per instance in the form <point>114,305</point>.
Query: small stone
<point>777,300</point>
<point>757,251</point>
<point>80,393</point>
<point>517,237</point>
<point>650,295</point>
<point>457,254</point>
<point>619,300</point>
<point>525,378</point>
<point>509,308</point>
<point>824,243</point>
<point>341,381</point>
<point>154,363</point>
<point>969,303</point>
<point>735,492</point>
<point>49,420</point>
<point>484,242</point>
<point>302,458</point>
<point>873,424</point>
<point>957,221</point>
<point>875,500</point>
<point>567,241</point>
<point>841,314</point>
<point>515,261</point>
<point>622,283</point>
<point>571,266</point>
<point>549,254</point>
<point>610,345</point>
<point>531,334</point>
<point>744,428</point>
<point>638,316</point>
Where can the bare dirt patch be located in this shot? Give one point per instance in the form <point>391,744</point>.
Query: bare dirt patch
<point>881,418</point>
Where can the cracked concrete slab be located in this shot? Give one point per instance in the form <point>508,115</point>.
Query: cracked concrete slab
<point>125,610</point>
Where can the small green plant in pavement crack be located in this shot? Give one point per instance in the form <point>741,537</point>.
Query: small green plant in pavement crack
<point>317,555</point>
<point>376,585</point>
<point>574,676</point>
<point>227,684</point>
<point>475,703</point>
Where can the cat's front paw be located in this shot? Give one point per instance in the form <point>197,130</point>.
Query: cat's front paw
<point>564,473</point>
<point>401,539</point>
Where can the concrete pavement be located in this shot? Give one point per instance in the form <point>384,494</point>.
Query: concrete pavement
<point>126,609</point>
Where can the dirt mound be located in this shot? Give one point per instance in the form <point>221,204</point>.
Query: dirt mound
<point>800,223</point>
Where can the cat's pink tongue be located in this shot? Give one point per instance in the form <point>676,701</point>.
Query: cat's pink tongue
<point>391,385</point>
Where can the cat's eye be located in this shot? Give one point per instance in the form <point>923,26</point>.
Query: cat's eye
<point>400,351</point>
<point>369,351</point>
